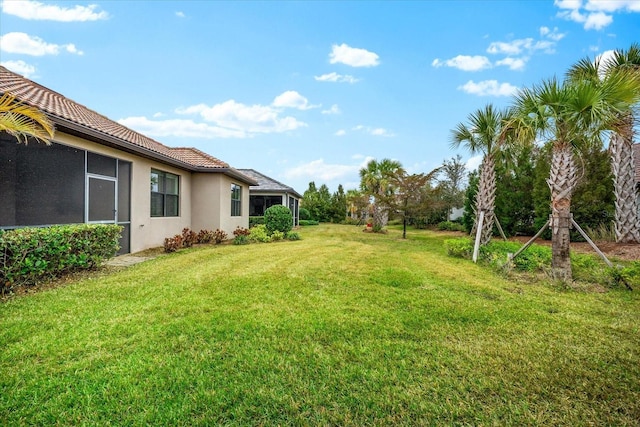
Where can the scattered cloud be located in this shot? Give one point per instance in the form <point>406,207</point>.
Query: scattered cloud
<point>596,14</point>
<point>341,132</point>
<point>553,34</point>
<point>488,88</point>
<point>292,99</point>
<point>464,63</point>
<point>336,78</point>
<point>473,163</point>
<point>179,128</point>
<point>20,67</point>
<point>249,119</point>
<point>180,14</point>
<point>31,45</point>
<point>515,64</point>
<point>320,171</point>
<point>333,110</point>
<point>34,10</point>
<point>352,56</point>
<point>373,131</point>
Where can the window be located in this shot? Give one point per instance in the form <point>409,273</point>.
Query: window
<point>236,200</point>
<point>165,193</point>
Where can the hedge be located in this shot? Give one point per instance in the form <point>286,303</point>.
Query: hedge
<point>29,255</point>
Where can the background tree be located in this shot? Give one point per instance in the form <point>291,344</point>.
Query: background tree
<point>453,174</point>
<point>627,64</point>
<point>24,121</point>
<point>407,199</point>
<point>338,206</point>
<point>483,134</point>
<point>568,116</point>
<point>374,182</point>
<point>358,204</point>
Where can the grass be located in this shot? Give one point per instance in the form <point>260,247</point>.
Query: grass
<point>339,328</point>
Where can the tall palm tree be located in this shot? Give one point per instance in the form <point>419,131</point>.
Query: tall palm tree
<point>568,115</point>
<point>374,181</point>
<point>627,223</point>
<point>24,121</point>
<point>484,133</point>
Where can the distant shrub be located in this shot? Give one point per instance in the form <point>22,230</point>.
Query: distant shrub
<point>189,237</point>
<point>304,214</point>
<point>259,234</point>
<point>278,218</point>
<point>240,231</point>
<point>292,236</point>
<point>204,236</point>
<point>241,239</point>
<point>172,244</point>
<point>459,248</point>
<point>255,220</point>
<point>219,236</point>
<point>450,226</point>
<point>28,255</point>
<point>307,222</point>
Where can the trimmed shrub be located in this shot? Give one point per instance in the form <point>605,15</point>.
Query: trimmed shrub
<point>304,214</point>
<point>204,236</point>
<point>450,226</point>
<point>292,236</point>
<point>29,255</point>
<point>260,234</point>
<point>278,218</point>
<point>219,236</point>
<point>307,222</point>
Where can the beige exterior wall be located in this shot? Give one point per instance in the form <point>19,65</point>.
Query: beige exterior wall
<point>211,203</point>
<point>210,209</point>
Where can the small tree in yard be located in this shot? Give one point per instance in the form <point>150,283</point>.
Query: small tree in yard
<point>278,218</point>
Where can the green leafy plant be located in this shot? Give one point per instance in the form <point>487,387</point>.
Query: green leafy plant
<point>292,235</point>
<point>259,234</point>
<point>241,239</point>
<point>278,218</point>
<point>277,235</point>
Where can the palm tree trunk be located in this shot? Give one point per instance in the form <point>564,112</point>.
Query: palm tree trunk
<point>627,225</point>
<point>485,199</point>
<point>562,180</point>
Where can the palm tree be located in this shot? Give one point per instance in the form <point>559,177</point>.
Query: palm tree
<point>568,116</point>
<point>627,223</point>
<point>24,121</point>
<point>484,134</point>
<point>374,181</point>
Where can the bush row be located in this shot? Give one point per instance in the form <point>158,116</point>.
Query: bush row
<point>29,255</point>
<point>537,259</point>
<point>189,237</point>
<point>260,234</point>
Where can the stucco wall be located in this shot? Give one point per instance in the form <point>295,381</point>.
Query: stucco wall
<point>211,203</point>
<point>146,232</point>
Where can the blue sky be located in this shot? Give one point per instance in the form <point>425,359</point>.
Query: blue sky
<point>305,91</point>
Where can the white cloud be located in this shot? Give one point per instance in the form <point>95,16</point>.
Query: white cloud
<point>337,78</point>
<point>352,56</point>
<point>246,118</point>
<point>373,131</point>
<point>20,67</point>
<point>333,110</point>
<point>473,163</point>
<point>514,47</point>
<point>596,14</point>
<point>292,99</point>
<point>515,64</point>
<point>318,170</point>
<point>179,128</point>
<point>465,63</point>
<point>180,14</point>
<point>33,10</point>
<point>488,88</point>
<point>554,34</point>
<point>341,132</point>
<point>31,45</point>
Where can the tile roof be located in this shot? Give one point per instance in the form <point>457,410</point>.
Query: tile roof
<point>267,184</point>
<point>58,106</point>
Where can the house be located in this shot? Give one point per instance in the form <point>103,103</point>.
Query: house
<point>99,171</point>
<point>269,192</point>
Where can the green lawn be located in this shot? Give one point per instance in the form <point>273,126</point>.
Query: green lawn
<point>339,328</point>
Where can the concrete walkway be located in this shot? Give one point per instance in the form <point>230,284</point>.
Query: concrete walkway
<point>127,260</point>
